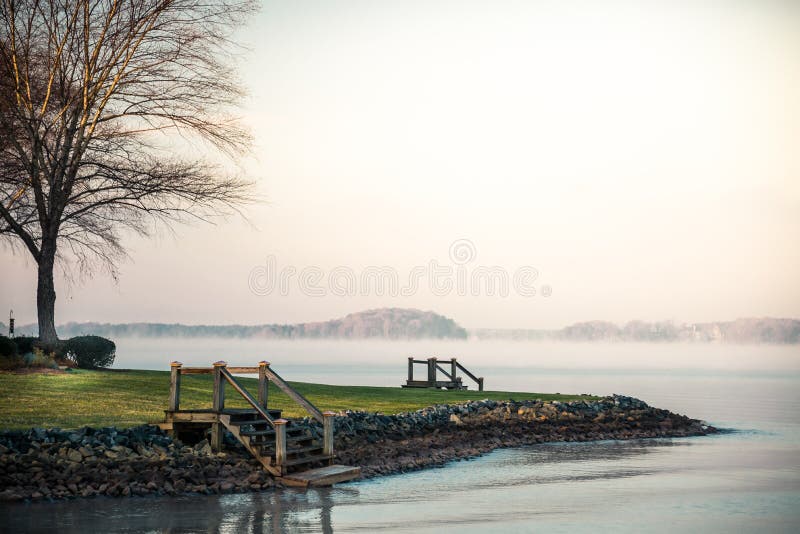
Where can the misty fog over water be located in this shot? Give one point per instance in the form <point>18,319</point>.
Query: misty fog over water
<point>744,480</point>
<point>689,378</point>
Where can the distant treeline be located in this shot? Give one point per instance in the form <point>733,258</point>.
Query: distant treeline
<point>389,323</point>
<point>749,330</point>
<point>399,323</point>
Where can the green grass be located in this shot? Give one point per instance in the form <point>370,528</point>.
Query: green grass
<point>127,398</point>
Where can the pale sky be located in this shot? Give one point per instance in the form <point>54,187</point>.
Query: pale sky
<point>642,156</point>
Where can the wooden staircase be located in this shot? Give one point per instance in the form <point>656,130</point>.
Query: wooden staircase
<point>259,438</point>
<point>287,449</point>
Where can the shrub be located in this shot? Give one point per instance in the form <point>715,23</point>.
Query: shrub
<point>8,348</point>
<point>25,344</point>
<point>9,357</point>
<point>39,358</point>
<point>11,362</point>
<point>88,352</point>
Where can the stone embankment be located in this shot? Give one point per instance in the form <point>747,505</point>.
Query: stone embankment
<point>385,444</point>
<point>56,464</point>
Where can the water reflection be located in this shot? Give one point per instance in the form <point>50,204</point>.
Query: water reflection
<point>382,502</point>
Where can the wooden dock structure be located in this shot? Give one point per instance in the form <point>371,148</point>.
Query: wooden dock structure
<point>286,449</point>
<point>433,366</point>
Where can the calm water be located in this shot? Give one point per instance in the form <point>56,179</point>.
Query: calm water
<point>743,481</point>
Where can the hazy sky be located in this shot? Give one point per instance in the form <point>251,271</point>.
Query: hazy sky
<point>643,157</point>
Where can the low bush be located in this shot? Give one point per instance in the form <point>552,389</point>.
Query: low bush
<point>25,344</point>
<point>88,352</point>
<point>39,358</point>
<point>8,348</point>
<point>9,355</point>
<point>8,362</point>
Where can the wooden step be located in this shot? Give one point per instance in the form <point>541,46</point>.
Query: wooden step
<point>303,450</point>
<point>268,449</point>
<point>307,460</point>
<point>262,424</point>
<point>321,476</point>
<point>293,431</point>
<point>289,440</point>
<point>253,427</point>
<point>243,416</point>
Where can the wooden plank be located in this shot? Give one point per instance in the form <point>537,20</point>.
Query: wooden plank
<point>305,460</point>
<point>175,386</point>
<point>196,371</point>
<point>218,403</point>
<point>327,433</point>
<point>280,443</point>
<point>263,387</point>
<point>293,394</point>
<point>466,372</point>
<point>417,384</point>
<point>448,375</point>
<point>243,370</point>
<point>247,396</point>
<point>216,437</point>
<point>322,476</point>
<point>193,417</point>
<point>234,429</point>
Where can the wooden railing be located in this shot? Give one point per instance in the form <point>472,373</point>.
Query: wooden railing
<point>222,374</point>
<point>434,367</point>
<point>291,392</point>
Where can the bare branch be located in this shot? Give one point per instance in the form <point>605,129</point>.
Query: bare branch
<point>85,88</point>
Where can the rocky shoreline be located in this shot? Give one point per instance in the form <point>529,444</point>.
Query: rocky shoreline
<point>54,464</point>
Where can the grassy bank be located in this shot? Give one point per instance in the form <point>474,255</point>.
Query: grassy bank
<point>127,398</point>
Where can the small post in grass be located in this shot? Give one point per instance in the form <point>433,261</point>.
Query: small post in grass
<point>327,432</point>
<point>410,370</point>
<point>175,386</point>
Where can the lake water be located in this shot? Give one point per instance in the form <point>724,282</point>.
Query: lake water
<point>746,480</point>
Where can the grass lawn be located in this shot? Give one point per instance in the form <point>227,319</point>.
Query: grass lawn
<point>127,398</point>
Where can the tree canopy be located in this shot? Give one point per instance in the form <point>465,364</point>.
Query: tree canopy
<point>93,95</point>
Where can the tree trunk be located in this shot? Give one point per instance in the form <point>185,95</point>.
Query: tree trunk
<point>46,296</point>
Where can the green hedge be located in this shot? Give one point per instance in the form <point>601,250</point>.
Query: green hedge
<point>25,344</point>
<point>89,352</point>
<point>8,348</point>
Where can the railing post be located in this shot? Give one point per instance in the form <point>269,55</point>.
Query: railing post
<point>453,369</point>
<point>219,387</point>
<point>327,432</point>
<point>480,384</point>
<point>218,405</point>
<point>431,372</point>
<point>175,386</point>
<point>263,384</point>
<point>280,442</point>
<point>410,370</point>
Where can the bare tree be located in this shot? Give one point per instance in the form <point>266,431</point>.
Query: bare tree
<point>92,93</point>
